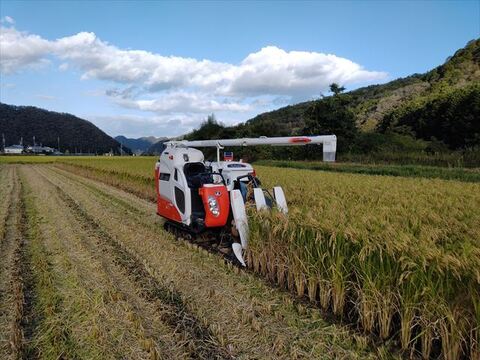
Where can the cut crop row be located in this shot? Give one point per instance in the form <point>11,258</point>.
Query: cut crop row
<point>246,315</point>
<point>399,256</point>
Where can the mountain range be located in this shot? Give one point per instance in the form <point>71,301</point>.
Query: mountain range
<point>139,145</point>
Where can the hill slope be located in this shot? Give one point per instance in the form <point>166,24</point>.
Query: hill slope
<point>370,104</point>
<point>157,148</point>
<point>73,133</point>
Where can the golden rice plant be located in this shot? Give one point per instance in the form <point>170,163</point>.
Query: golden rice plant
<point>401,255</point>
<point>406,252</point>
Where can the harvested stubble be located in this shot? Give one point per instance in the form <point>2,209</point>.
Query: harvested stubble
<point>87,305</point>
<point>140,185</point>
<point>405,252</point>
<point>12,278</point>
<point>246,316</point>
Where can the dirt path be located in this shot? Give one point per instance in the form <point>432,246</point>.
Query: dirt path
<point>246,317</point>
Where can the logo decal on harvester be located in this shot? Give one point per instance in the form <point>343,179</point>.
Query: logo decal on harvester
<point>218,193</point>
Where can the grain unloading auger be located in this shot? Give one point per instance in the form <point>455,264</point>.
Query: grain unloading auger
<point>208,198</point>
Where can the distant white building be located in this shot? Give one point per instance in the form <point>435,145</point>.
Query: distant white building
<point>40,149</point>
<point>14,149</point>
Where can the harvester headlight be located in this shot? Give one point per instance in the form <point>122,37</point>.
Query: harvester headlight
<point>213,206</point>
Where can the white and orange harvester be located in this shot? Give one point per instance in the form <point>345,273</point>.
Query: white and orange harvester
<point>198,197</point>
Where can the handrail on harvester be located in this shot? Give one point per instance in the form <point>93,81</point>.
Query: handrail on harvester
<point>329,143</point>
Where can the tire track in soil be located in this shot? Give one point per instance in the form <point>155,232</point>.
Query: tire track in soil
<point>201,342</point>
<point>16,281</point>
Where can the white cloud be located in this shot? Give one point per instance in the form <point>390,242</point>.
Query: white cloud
<point>45,97</point>
<point>63,67</point>
<point>269,71</point>
<point>8,20</point>
<point>177,85</point>
<point>276,71</point>
<point>180,102</point>
<point>138,126</point>
<point>19,50</point>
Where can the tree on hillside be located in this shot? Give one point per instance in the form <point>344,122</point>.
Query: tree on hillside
<point>336,89</point>
<point>452,118</point>
<point>331,115</point>
<point>209,129</point>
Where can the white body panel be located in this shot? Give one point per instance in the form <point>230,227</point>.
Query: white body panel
<point>173,159</point>
<point>240,216</point>
<point>280,199</point>
<point>260,201</point>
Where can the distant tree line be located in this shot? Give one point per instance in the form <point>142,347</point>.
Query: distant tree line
<point>442,123</point>
<point>61,131</point>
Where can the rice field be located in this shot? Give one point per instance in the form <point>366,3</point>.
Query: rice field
<point>397,259</point>
<point>87,272</point>
<point>399,255</point>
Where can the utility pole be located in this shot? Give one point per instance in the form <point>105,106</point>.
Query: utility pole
<point>58,143</point>
<point>33,140</point>
<point>3,142</point>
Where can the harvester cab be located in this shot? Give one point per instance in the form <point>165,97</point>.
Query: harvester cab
<point>206,201</point>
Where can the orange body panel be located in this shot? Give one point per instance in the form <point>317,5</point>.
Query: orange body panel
<point>165,208</point>
<point>220,193</point>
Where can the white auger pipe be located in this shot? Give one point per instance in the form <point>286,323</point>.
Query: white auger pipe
<point>329,143</point>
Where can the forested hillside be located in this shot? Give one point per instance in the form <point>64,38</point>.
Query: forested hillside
<point>370,104</point>
<point>433,113</point>
<point>52,129</point>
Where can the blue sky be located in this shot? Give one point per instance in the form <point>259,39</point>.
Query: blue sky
<point>159,68</point>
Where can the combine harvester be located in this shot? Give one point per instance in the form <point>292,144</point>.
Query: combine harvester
<point>205,201</point>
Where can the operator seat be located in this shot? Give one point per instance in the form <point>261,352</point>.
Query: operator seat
<point>196,175</point>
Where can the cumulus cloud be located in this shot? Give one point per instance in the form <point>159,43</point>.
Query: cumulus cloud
<point>275,71</point>
<point>162,84</point>
<point>178,102</point>
<point>138,126</point>
<point>271,70</point>
<point>8,20</point>
<point>20,49</point>
<point>45,97</point>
